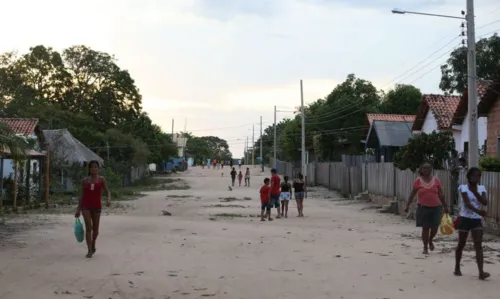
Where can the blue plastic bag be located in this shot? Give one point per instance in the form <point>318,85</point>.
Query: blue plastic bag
<point>79,231</point>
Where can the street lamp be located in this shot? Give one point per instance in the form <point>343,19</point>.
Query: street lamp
<point>471,74</point>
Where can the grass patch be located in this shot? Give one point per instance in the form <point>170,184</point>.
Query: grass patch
<point>228,215</point>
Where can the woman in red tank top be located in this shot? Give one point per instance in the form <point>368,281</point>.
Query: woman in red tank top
<point>90,205</point>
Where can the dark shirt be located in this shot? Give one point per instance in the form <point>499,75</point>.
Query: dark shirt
<point>298,186</point>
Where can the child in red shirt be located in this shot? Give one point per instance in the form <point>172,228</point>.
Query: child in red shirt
<point>265,201</point>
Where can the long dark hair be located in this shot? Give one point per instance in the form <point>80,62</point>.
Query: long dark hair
<point>93,162</point>
<point>285,178</point>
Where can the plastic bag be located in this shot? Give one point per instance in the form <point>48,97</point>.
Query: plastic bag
<point>446,227</point>
<point>79,231</point>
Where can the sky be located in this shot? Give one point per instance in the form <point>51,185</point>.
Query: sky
<point>217,66</point>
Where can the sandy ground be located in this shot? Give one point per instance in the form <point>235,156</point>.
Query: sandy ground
<point>341,249</point>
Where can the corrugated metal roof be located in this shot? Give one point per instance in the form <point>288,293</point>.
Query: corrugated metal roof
<point>65,147</point>
<point>392,133</point>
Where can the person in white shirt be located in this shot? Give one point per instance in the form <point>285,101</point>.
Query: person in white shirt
<point>474,198</point>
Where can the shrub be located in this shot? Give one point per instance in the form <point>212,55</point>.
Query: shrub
<point>490,164</point>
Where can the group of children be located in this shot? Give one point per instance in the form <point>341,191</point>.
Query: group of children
<point>273,191</point>
<point>235,174</point>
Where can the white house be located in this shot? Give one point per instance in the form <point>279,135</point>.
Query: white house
<point>461,121</point>
<point>181,144</point>
<point>436,113</point>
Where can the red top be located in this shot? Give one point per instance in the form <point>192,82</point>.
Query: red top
<point>275,183</point>
<point>240,176</point>
<point>428,193</point>
<point>91,198</point>
<point>264,194</point>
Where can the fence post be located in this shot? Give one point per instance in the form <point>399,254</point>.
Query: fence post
<point>329,176</point>
<point>394,197</point>
<point>349,177</point>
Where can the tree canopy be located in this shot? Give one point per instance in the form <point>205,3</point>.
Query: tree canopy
<point>207,147</point>
<point>454,72</point>
<point>403,99</point>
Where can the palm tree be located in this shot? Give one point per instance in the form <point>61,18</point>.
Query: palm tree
<point>15,147</point>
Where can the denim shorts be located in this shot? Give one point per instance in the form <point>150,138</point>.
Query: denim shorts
<point>299,195</point>
<point>275,200</point>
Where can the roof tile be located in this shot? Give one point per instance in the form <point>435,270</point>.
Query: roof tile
<point>443,107</point>
<point>21,126</point>
<point>390,117</point>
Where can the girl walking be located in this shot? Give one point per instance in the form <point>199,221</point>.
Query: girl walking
<point>473,199</point>
<point>285,196</point>
<point>247,177</point>
<point>299,187</point>
<point>90,205</point>
<point>240,178</point>
<point>430,205</point>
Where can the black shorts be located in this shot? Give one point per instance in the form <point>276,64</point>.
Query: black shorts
<point>429,217</point>
<point>467,224</point>
<point>266,206</point>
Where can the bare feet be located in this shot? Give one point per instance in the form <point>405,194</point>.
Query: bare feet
<point>431,245</point>
<point>457,272</point>
<point>262,219</point>
<point>484,275</point>
<point>270,219</point>
<point>425,251</point>
<point>89,254</point>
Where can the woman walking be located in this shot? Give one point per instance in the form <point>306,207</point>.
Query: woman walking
<point>90,205</point>
<point>285,196</point>
<point>247,177</point>
<point>430,205</point>
<point>299,188</point>
<point>473,199</point>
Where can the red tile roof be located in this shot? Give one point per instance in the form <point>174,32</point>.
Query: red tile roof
<point>390,117</point>
<point>443,108</point>
<point>489,98</point>
<point>482,90</point>
<point>21,126</point>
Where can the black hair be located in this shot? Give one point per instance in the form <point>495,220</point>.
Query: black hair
<point>274,171</point>
<point>93,162</point>
<point>300,176</point>
<point>471,171</point>
<point>266,180</point>
<point>285,178</point>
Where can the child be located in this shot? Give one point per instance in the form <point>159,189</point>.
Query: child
<point>247,177</point>
<point>285,196</point>
<point>240,177</point>
<point>471,212</point>
<point>233,176</point>
<point>265,201</point>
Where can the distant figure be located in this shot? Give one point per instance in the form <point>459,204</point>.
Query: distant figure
<point>233,176</point>
<point>265,210</point>
<point>240,178</point>
<point>239,164</point>
<point>285,196</point>
<point>299,187</point>
<point>214,161</point>
<point>231,163</point>
<point>274,193</point>
<point>222,164</point>
<point>247,177</point>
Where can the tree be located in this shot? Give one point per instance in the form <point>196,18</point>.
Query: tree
<point>454,72</point>
<point>207,147</point>
<point>435,148</point>
<point>403,99</point>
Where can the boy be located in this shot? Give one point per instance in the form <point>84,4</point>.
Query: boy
<point>274,191</point>
<point>265,201</point>
<point>233,176</point>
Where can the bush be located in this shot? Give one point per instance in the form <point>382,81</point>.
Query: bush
<point>490,164</point>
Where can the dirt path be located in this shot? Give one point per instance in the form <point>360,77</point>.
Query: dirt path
<point>341,249</point>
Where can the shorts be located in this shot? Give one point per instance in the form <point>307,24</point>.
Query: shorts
<point>299,195</point>
<point>265,206</point>
<point>285,195</point>
<point>275,200</point>
<point>429,217</point>
<point>467,224</point>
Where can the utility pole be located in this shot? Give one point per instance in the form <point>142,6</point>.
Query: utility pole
<point>172,129</point>
<point>253,145</point>
<point>274,142</point>
<point>472,86</point>
<point>303,147</point>
<point>246,151</point>
<point>261,158</point>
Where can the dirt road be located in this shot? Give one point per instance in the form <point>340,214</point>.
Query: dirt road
<point>341,249</point>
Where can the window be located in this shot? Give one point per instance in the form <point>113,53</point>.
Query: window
<point>466,147</point>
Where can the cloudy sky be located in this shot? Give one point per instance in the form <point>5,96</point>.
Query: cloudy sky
<point>221,64</point>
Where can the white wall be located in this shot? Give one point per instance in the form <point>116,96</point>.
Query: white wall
<point>464,133</point>
<point>430,123</point>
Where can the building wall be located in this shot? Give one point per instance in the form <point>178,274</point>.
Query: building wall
<point>493,129</point>
<point>430,123</point>
<point>8,165</point>
<point>464,133</point>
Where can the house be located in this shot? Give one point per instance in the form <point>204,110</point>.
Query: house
<point>370,117</point>
<point>460,122</point>
<point>387,136</point>
<point>67,151</point>
<point>28,128</point>
<point>436,114</point>
<point>489,107</point>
